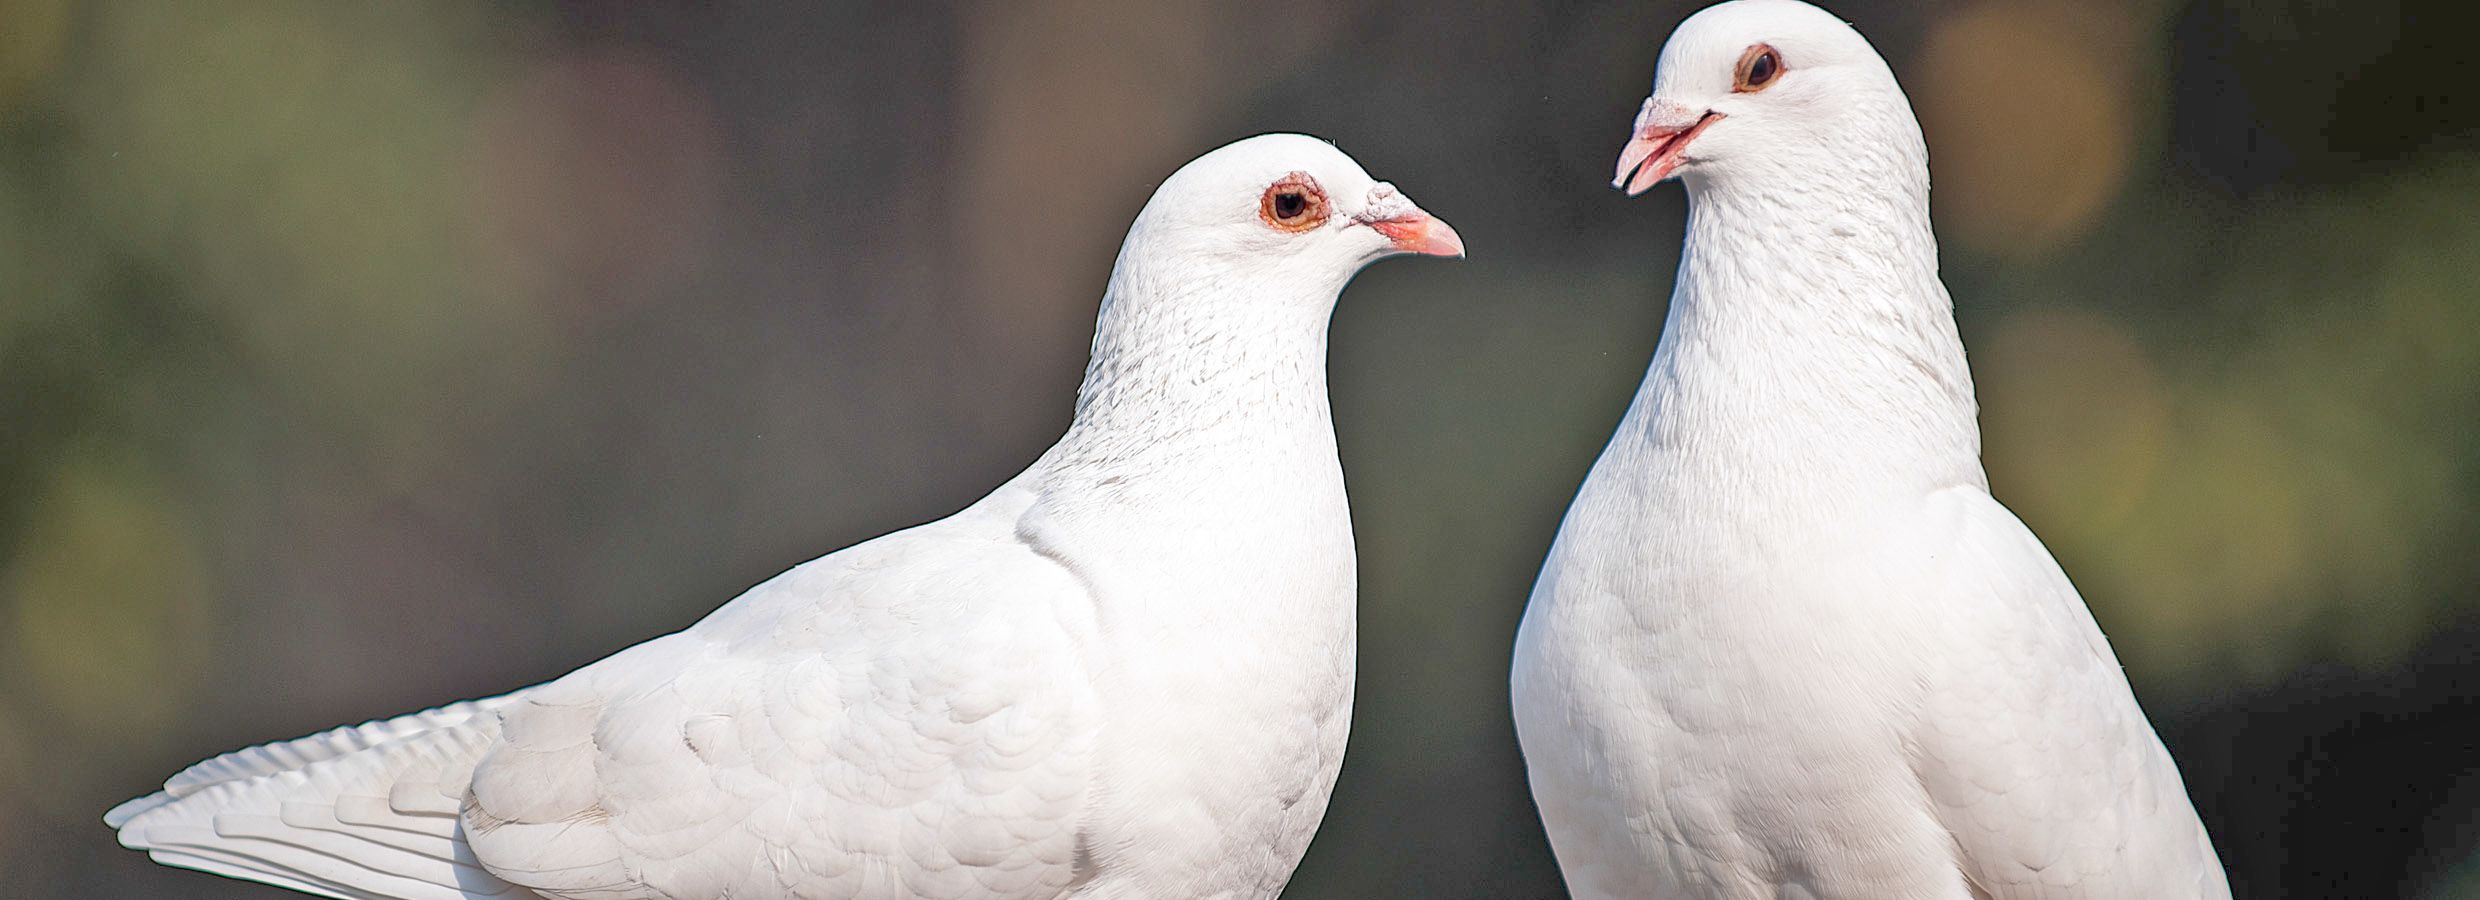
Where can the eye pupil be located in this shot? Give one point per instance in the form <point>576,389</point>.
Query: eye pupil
<point>1293,204</point>
<point>1758,68</point>
<point>1290,204</point>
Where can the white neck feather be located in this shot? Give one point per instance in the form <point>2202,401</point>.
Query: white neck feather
<point>1810,349</point>
<point>1194,371</point>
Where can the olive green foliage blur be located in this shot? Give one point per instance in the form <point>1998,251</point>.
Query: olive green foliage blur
<point>360,357</point>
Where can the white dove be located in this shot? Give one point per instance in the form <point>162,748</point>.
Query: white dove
<point>1786,644</point>
<point>1126,673</point>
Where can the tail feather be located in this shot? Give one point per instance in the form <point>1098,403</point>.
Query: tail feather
<point>319,817</point>
<point>233,848</point>
<point>300,753</point>
<point>216,862</point>
<point>329,824</point>
<point>285,756</point>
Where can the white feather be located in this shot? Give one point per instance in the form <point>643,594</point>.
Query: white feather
<point>1786,644</point>
<point>1126,673</point>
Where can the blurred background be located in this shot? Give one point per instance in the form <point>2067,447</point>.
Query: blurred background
<point>359,357</point>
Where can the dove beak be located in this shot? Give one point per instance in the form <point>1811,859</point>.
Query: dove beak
<point>1408,227</point>
<point>1421,233</point>
<point>1660,144</point>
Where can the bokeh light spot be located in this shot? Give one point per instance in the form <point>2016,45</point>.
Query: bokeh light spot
<point>297,166</point>
<point>2030,130</point>
<point>595,181</point>
<point>2213,569</point>
<point>108,598</point>
<point>2077,408</point>
<point>31,35</point>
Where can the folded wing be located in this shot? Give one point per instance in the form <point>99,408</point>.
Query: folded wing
<point>926,732</point>
<point>2031,745</point>
<point>910,717</point>
<point>367,811</point>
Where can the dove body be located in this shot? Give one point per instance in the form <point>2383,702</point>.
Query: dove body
<point>1786,644</point>
<point>1126,673</point>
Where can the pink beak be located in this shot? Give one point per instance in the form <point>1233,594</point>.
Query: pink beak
<point>1408,226</point>
<point>1422,233</point>
<point>1660,144</point>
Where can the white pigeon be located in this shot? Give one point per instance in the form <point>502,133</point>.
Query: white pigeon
<point>1126,673</point>
<point>1786,644</point>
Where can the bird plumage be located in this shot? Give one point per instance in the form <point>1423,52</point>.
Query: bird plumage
<point>1125,673</point>
<point>1786,644</point>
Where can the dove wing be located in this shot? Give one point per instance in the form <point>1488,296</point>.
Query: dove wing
<point>907,718</point>
<point>2031,747</point>
<point>910,717</point>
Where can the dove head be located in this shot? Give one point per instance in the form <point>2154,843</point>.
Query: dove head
<point>1767,90</point>
<point>1273,211</point>
<point>1224,287</point>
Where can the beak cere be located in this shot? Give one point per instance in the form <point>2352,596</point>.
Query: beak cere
<point>1411,230</point>
<point>1660,144</point>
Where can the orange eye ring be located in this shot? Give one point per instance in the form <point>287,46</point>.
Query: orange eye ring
<point>1294,203</point>
<point>1758,69</point>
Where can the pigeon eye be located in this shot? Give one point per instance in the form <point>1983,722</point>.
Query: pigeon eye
<point>1295,203</point>
<point>1290,204</point>
<point>1757,69</point>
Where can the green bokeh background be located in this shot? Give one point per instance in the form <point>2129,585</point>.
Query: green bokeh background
<point>359,357</point>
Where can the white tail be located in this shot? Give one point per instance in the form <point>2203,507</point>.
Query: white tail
<point>364,812</point>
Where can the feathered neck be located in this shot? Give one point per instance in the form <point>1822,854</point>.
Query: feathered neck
<point>1188,361</point>
<point>1204,411</point>
<point>1810,347</point>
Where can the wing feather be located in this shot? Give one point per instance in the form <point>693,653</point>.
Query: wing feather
<point>906,718</point>
<point>2031,745</point>
<point>326,827</point>
<point>286,756</point>
<point>910,717</point>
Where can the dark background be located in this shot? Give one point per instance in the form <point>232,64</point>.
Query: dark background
<point>358,357</point>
